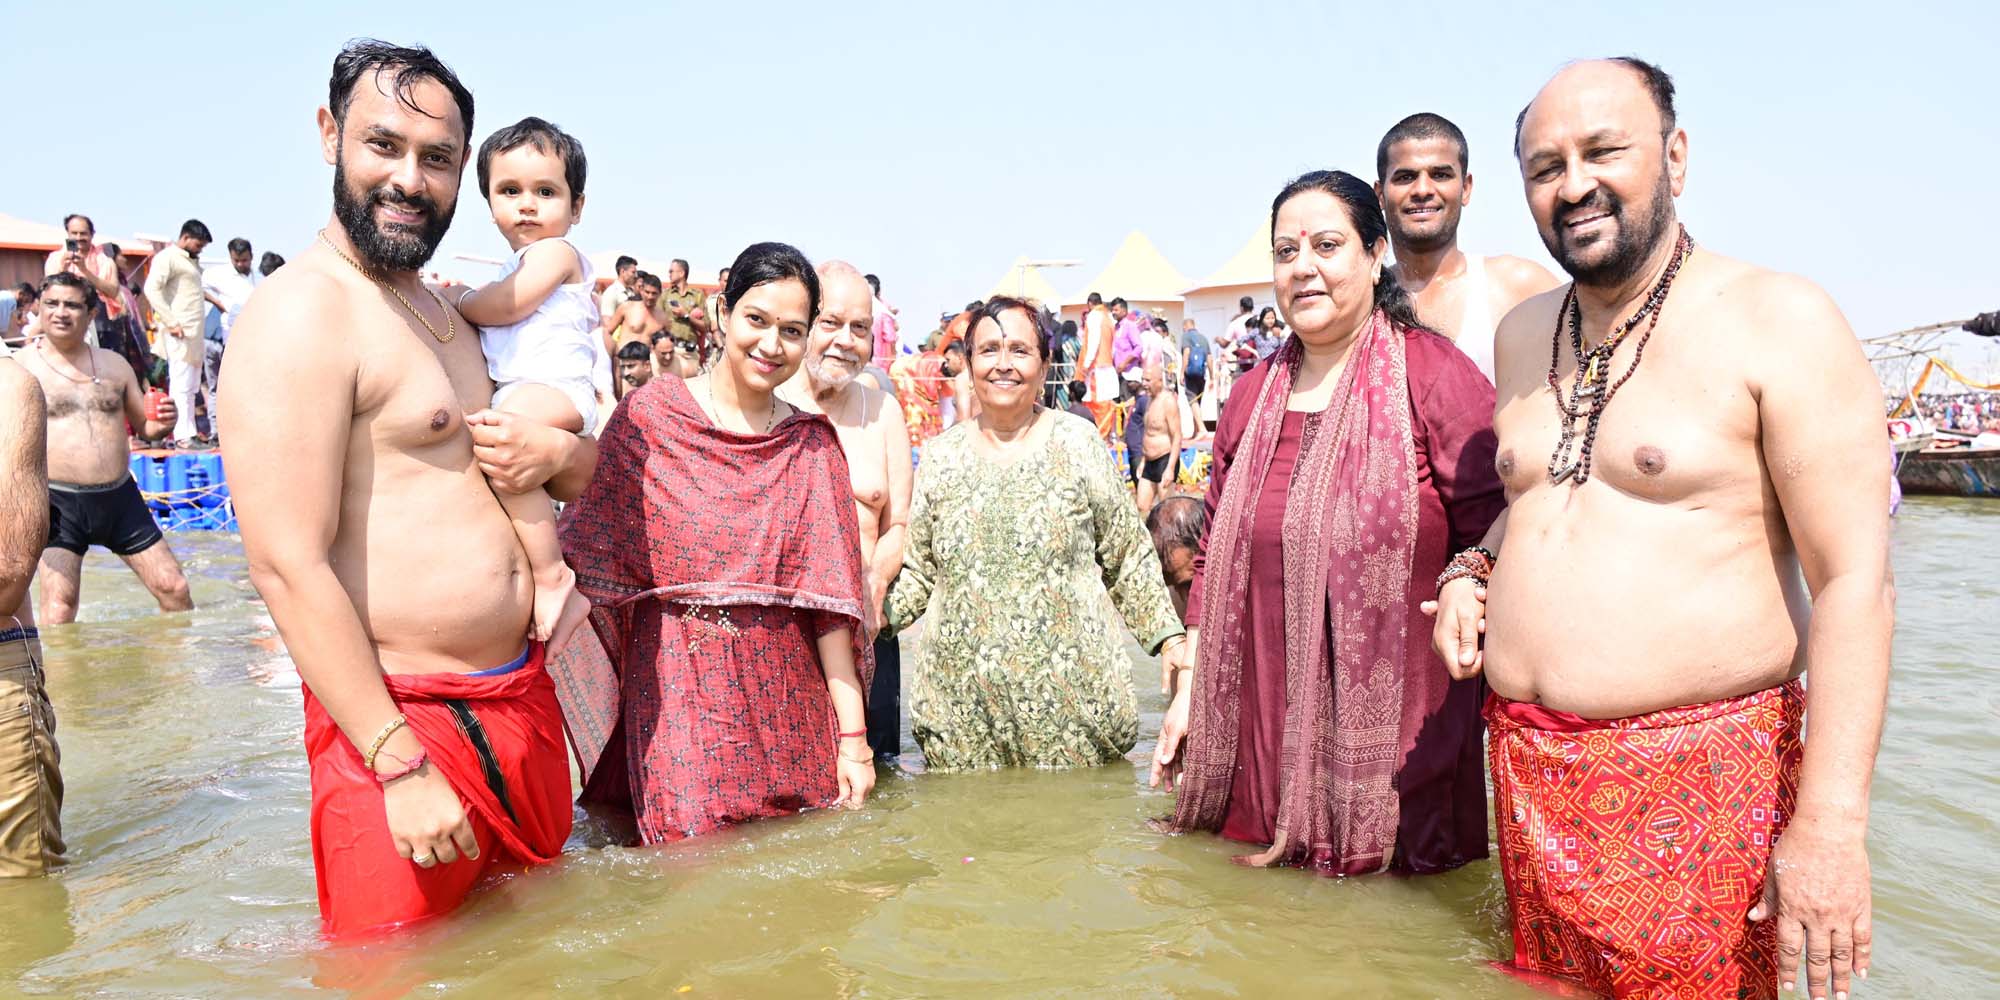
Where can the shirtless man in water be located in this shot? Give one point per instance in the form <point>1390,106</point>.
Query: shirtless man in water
<point>1664,577</point>
<point>869,424</point>
<point>93,396</point>
<point>360,474</point>
<point>1422,176</point>
<point>31,786</point>
<point>1161,445</point>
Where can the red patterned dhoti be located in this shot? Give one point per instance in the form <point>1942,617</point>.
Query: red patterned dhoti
<point>520,812</point>
<point>1634,848</point>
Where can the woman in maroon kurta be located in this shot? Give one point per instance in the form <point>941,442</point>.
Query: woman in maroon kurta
<point>718,546</point>
<point>1348,468</point>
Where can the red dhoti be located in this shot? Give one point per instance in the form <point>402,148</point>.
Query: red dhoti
<point>1634,848</point>
<point>515,792</point>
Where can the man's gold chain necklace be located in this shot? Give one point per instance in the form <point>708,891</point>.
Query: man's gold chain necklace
<point>451,325</point>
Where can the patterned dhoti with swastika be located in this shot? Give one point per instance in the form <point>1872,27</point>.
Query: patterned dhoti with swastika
<point>1633,848</point>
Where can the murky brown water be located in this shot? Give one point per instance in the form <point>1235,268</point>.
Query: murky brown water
<point>191,874</point>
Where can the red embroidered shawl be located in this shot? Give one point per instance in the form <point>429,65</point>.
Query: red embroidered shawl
<point>682,511</point>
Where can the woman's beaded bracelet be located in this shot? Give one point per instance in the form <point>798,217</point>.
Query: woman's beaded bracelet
<point>375,749</point>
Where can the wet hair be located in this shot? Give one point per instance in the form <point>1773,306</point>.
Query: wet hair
<point>1246,303</point>
<point>992,308</point>
<point>1659,86</point>
<point>623,263</point>
<point>239,245</point>
<point>634,351</point>
<point>73,216</point>
<point>410,65</point>
<point>1420,126</point>
<point>874,283</point>
<point>268,263</point>
<point>1177,521</point>
<point>648,279</point>
<point>763,263</point>
<point>194,228</point>
<point>64,279</point>
<point>546,138</point>
<point>1364,210</point>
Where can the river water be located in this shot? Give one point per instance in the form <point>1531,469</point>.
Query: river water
<point>191,875</point>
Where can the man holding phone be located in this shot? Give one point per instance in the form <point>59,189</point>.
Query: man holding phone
<point>80,255</point>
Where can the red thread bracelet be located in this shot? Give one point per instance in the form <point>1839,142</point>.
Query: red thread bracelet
<point>408,769</point>
<point>857,734</point>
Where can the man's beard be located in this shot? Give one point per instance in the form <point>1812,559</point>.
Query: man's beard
<point>1638,234</point>
<point>827,380</point>
<point>400,250</point>
<point>1444,236</point>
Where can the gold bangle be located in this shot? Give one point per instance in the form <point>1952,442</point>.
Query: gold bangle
<point>375,748</point>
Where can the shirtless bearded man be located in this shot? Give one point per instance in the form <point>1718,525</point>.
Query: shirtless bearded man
<point>870,427</point>
<point>360,481</point>
<point>92,396</point>
<point>1161,445</point>
<point>1695,521</point>
<point>1422,177</point>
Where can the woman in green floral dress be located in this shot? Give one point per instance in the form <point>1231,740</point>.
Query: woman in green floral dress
<point>1019,527</point>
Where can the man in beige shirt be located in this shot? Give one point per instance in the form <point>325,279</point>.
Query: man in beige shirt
<point>173,289</point>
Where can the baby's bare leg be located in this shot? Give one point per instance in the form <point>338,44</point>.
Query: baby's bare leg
<point>558,608</point>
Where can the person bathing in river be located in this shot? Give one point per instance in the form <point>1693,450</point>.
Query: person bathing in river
<point>31,788</point>
<point>877,446</point>
<point>538,325</point>
<point>93,396</point>
<point>1348,467</point>
<point>719,548</point>
<point>359,468</point>
<point>1020,524</point>
<point>1684,540</point>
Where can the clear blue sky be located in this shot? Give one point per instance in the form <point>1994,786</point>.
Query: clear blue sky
<point>931,143</point>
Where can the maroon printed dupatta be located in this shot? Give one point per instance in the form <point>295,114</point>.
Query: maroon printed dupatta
<point>1350,534</point>
<point>680,510</point>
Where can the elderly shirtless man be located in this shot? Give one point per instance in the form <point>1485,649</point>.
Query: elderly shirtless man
<point>93,396</point>
<point>1160,439</point>
<point>1423,176</point>
<point>1695,522</point>
<point>870,426</point>
<point>360,480</point>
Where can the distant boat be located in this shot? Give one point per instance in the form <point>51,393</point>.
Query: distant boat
<point>1952,466</point>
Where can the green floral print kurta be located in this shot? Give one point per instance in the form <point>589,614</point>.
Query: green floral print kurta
<point>1009,564</point>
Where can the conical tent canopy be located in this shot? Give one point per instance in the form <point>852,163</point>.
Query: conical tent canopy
<point>1137,272</point>
<point>1024,282</point>
<point>1250,266</point>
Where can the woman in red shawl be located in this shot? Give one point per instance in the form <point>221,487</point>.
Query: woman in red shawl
<point>718,547</point>
<point>1348,467</point>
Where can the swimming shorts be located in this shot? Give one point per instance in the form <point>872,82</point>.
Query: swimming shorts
<point>1155,469</point>
<point>113,515</point>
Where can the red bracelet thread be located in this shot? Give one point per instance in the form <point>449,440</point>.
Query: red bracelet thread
<point>408,769</point>
<point>853,735</point>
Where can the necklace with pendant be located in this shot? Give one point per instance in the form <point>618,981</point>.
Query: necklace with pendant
<point>1591,389</point>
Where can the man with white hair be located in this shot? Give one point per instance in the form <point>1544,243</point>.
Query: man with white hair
<point>870,426</point>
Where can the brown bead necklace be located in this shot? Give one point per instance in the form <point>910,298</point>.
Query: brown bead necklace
<point>1591,389</point>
